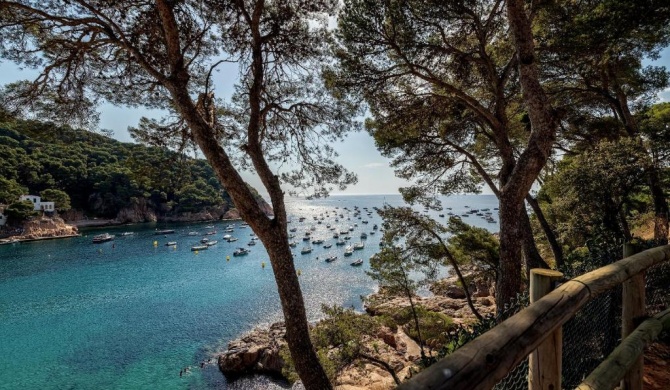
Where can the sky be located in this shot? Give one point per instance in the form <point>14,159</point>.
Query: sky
<point>357,151</point>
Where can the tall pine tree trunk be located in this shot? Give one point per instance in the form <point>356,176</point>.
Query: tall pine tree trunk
<point>293,307</point>
<point>511,244</point>
<point>556,248</point>
<point>660,205</point>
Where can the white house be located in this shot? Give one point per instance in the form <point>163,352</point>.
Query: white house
<point>38,205</point>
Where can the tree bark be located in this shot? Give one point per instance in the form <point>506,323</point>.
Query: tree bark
<point>660,205</point>
<point>272,232</point>
<point>511,240</point>
<point>556,248</point>
<point>532,159</point>
<point>530,252</point>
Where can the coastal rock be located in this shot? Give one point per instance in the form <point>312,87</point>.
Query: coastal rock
<point>256,352</point>
<point>46,228</point>
<point>232,214</point>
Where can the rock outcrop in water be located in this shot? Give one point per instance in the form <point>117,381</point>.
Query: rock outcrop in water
<point>258,351</point>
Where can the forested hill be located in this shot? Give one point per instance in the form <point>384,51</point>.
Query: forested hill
<point>103,177</point>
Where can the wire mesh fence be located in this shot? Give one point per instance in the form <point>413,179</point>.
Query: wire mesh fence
<point>595,330</point>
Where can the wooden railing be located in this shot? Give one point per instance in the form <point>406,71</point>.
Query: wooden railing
<point>486,360</point>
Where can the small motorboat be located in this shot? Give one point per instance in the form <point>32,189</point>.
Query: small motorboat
<point>171,243</point>
<point>192,233</point>
<point>349,251</point>
<point>357,263</point>
<point>305,250</point>
<point>317,242</point>
<point>199,248</point>
<point>327,246</point>
<point>293,244</point>
<point>164,231</point>
<point>241,252</point>
<point>340,243</point>
<point>251,243</point>
<point>213,232</point>
<point>211,243</point>
<point>124,234</point>
<point>100,238</point>
<point>231,239</point>
<point>204,240</point>
<point>331,259</point>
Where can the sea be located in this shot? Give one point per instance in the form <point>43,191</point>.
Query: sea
<point>132,313</point>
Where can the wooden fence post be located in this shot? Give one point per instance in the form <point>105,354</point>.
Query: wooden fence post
<point>545,362</point>
<point>633,309</point>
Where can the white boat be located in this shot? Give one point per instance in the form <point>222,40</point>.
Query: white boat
<point>305,250</point>
<point>359,246</point>
<point>293,244</point>
<point>204,240</point>
<point>252,243</point>
<point>192,233</point>
<point>331,259</point>
<point>317,242</point>
<point>231,239</point>
<point>340,243</point>
<point>226,236</point>
<point>327,246</point>
<point>127,234</point>
<point>100,238</point>
<point>349,251</point>
<point>171,243</point>
<point>357,263</point>
<point>199,248</point>
<point>211,243</point>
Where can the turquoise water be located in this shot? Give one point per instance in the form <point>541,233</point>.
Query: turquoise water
<point>130,315</point>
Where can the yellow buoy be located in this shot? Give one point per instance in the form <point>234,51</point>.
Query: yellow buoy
<point>263,265</point>
<point>227,258</point>
<point>196,252</point>
<point>155,243</point>
<point>299,272</point>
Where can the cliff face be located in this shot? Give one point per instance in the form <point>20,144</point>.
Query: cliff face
<point>141,211</point>
<point>47,227</point>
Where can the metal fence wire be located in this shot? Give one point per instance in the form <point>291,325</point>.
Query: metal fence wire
<point>595,330</point>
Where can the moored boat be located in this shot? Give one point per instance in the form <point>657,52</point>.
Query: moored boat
<point>241,252</point>
<point>357,263</point>
<point>199,248</point>
<point>100,238</point>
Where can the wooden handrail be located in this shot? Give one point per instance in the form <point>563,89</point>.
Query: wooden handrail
<point>610,372</point>
<point>484,361</point>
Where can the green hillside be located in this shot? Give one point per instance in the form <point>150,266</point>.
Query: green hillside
<point>102,176</point>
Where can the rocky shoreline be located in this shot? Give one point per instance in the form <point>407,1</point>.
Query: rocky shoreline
<point>43,228</point>
<point>258,352</point>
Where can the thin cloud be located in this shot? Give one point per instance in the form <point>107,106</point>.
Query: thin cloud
<point>374,165</point>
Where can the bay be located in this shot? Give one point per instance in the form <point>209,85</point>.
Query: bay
<point>128,314</point>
